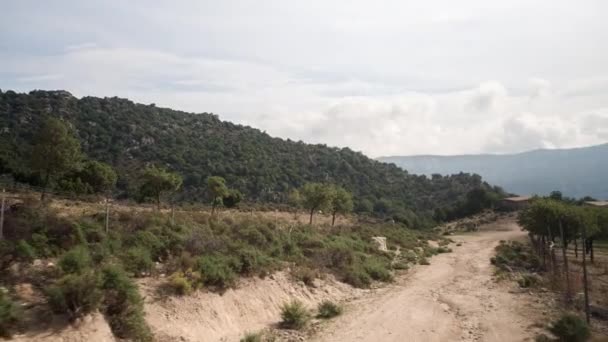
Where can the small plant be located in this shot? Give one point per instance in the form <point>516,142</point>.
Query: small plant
<point>9,314</point>
<point>138,260</point>
<point>216,271</point>
<point>328,309</point>
<point>424,261</point>
<point>252,337</point>
<point>75,295</point>
<point>357,277</point>
<point>377,270</point>
<point>444,250</point>
<point>400,265</point>
<point>294,315</point>
<point>179,284</point>
<point>528,280</point>
<point>570,328</point>
<point>76,260</point>
<point>305,274</point>
<point>25,251</point>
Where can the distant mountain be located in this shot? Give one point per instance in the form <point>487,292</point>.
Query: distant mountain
<point>576,172</point>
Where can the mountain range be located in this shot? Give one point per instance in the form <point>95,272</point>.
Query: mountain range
<point>576,172</point>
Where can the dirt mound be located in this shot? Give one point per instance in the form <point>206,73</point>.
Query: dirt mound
<point>253,305</point>
<point>93,328</point>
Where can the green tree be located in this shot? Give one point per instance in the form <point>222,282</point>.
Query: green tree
<point>99,176</point>
<point>295,200</point>
<point>316,196</point>
<point>341,202</point>
<point>55,151</point>
<point>233,198</point>
<point>158,181</point>
<point>218,190</point>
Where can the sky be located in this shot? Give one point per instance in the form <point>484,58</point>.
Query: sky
<point>381,77</point>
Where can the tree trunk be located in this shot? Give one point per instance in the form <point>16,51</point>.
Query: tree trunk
<point>312,211</point>
<point>333,218</point>
<point>576,248</point>
<point>551,250</point>
<point>544,252</point>
<point>213,208</point>
<point>585,285</point>
<point>589,248</point>
<point>158,202</point>
<point>45,185</point>
<point>565,256</point>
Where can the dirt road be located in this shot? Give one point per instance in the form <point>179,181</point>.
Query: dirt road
<point>454,299</point>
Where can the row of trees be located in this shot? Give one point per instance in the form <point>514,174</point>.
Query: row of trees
<point>322,197</point>
<point>550,220</point>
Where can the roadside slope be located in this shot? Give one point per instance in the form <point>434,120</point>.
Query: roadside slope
<point>454,299</point>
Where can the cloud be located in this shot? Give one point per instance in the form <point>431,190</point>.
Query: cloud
<point>383,78</point>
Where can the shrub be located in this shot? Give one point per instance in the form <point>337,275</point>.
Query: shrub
<point>570,328</point>
<point>25,251</point>
<point>328,309</point>
<point>443,250</point>
<point>252,337</point>
<point>216,271</point>
<point>424,261</point>
<point>528,280</point>
<point>75,295</point>
<point>179,284</point>
<point>138,260</point>
<point>123,305</point>
<point>305,274</point>
<point>76,260</point>
<point>357,277</point>
<point>294,315</point>
<point>377,269</point>
<point>400,265</point>
<point>9,314</point>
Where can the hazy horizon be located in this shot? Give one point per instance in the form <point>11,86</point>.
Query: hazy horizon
<point>388,78</point>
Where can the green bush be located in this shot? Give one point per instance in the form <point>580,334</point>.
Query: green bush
<point>75,294</point>
<point>400,265</point>
<point>328,309</point>
<point>9,314</point>
<point>252,337</point>
<point>294,315</point>
<point>377,269</point>
<point>424,261</point>
<point>137,260</point>
<point>570,328</point>
<point>179,284</point>
<point>216,271</point>
<point>305,274</point>
<point>25,251</point>
<point>123,305</point>
<point>357,277</point>
<point>76,260</point>
<point>528,280</point>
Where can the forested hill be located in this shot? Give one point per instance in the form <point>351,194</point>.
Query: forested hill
<point>129,135</point>
<point>576,172</point>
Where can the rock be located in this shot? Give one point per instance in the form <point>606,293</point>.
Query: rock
<point>381,241</point>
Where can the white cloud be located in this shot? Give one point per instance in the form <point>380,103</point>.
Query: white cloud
<point>389,77</point>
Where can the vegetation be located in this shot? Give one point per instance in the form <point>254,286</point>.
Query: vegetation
<point>55,151</point>
<point>294,315</point>
<point>158,181</point>
<point>9,314</point>
<point>328,309</point>
<point>129,137</point>
<point>570,328</point>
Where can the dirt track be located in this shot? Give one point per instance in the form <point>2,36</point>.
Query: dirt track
<point>454,299</point>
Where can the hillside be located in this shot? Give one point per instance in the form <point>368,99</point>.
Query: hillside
<point>576,172</point>
<point>129,135</point>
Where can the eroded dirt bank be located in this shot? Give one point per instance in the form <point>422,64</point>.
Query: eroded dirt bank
<point>453,299</point>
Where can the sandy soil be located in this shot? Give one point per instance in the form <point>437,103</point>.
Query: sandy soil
<point>254,305</point>
<point>454,299</point>
<point>92,328</point>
